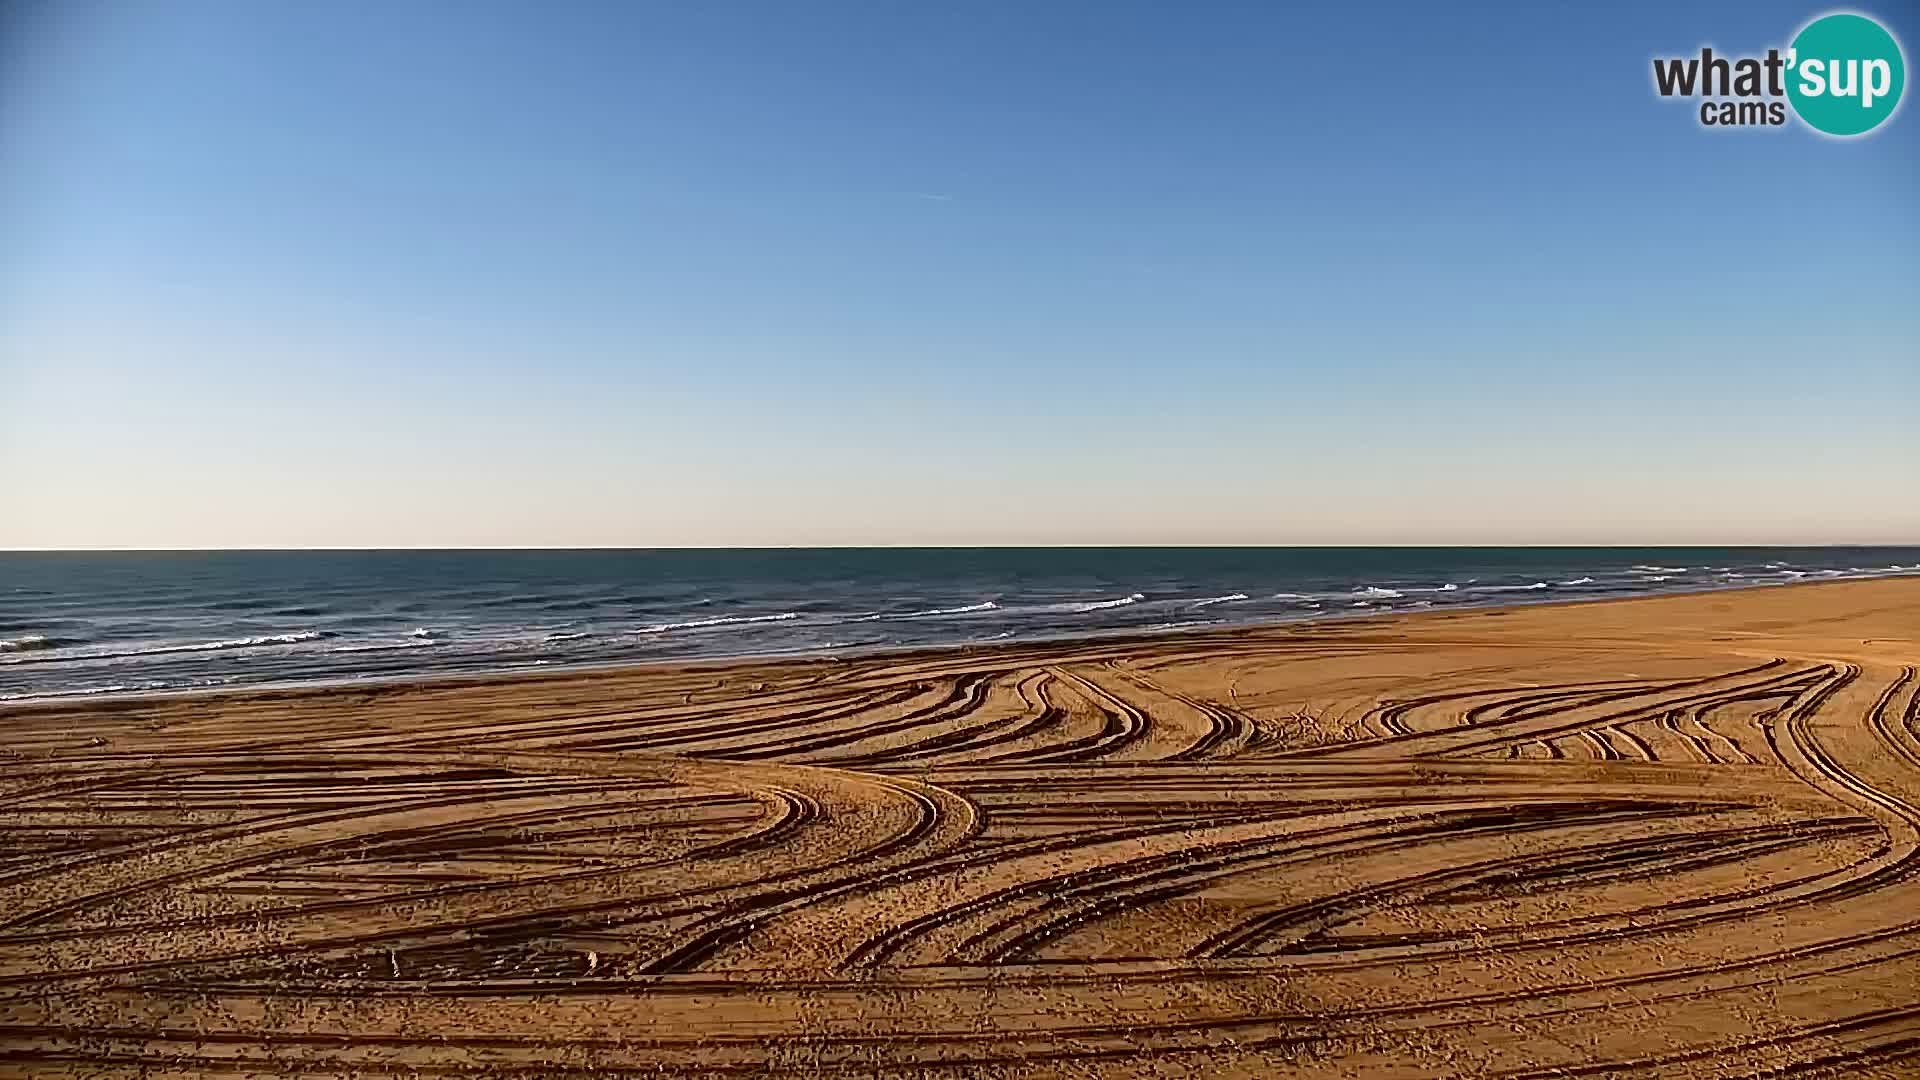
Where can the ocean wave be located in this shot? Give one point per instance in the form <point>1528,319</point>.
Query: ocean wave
<point>1448,587</point>
<point>1660,569</point>
<point>228,645</point>
<point>1378,593</point>
<point>934,613</point>
<point>37,643</point>
<point>1187,625</point>
<point>423,632</point>
<point>251,603</point>
<point>89,691</point>
<point>260,641</point>
<point>1212,600</point>
<point>557,637</point>
<point>1511,588</point>
<point>1291,596</point>
<point>382,646</point>
<point>1578,581</point>
<point>734,620</point>
<point>571,605</point>
<point>1102,605</point>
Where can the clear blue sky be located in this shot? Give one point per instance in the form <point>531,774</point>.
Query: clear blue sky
<point>358,273</point>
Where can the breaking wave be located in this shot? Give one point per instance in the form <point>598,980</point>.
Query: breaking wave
<point>261,641</point>
<point>736,620</point>
<point>1212,600</point>
<point>36,643</point>
<point>1102,605</point>
<point>966,609</point>
<point>1378,593</point>
<point>1187,625</point>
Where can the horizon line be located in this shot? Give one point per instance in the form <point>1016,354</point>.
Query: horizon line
<point>931,547</point>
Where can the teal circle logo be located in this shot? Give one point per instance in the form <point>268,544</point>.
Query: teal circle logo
<point>1845,74</point>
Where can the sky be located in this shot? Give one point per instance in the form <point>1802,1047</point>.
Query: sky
<point>361,274</point>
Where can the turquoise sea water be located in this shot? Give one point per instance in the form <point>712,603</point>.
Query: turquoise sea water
<point>76,623</point>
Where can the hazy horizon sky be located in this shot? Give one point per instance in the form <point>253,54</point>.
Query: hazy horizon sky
<point>502,274</point>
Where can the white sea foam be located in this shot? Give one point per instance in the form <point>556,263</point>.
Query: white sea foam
<point>696,624</point>
<point>1378,593</point>
<point>559,637</point>
<point>1579,581</point>
<point>930,613</point>
<point>28,643</point>
<point>385,646</point>
<point>89,691</point>
<point>261,641</point>
<point>424,632</point>
<point>1661,569</point>
<point>1510,588</point>
<point>1291,596</point>
<point>968,609</point>
<point>1102,605</point>
<point>1212,600</point>
<point>1187,625</point>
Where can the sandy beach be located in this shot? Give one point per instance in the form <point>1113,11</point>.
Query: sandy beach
<point>1674,836</point>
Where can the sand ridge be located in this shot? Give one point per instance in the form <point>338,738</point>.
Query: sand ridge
<point>1674,836</point>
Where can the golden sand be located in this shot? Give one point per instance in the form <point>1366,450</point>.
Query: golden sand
<point>1678,836</point>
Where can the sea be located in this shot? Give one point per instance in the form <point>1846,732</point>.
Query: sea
<point>75,623</point>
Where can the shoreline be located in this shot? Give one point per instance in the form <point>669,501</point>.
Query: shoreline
<point>1127,637</point>
<point>1030,859</point>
